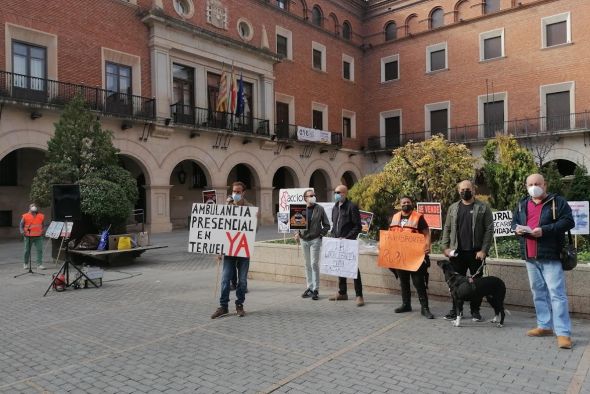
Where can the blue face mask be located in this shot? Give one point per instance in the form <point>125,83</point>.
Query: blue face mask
<point>337,197</point>
<point>236,197</point>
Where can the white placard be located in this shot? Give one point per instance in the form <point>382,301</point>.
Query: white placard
<point>339,257</point>
<point>580,214</point>
<point>314,135</point>
<point>328,207</point>
<point>291,196</point>
<point>229,230</point>
<point>503,223</point>
<point>283,222</point>
<point>54,230</point>
<point>66,230</point>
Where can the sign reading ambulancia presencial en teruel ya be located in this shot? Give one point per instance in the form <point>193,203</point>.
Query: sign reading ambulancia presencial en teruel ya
<point>229,230</point>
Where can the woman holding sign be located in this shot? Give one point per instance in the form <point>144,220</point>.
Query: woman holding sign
<point>408,220</point>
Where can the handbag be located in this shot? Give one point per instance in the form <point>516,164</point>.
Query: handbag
<point>569,254</point>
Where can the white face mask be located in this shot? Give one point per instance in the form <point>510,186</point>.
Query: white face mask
<point>311,200</point>
<point>535,191</point>
<point>34,209</point>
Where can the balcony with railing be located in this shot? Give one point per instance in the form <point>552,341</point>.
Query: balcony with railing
<point>46,92</point>
<point>519,128</point>
<point>288,132</point>
<point>204,118</point>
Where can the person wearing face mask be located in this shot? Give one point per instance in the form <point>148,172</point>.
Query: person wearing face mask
<point>540,221</point>
<point>31,228</point>
<point>318,225</point>
<point>231,264</point>
<point>408,220</point>
<point>346,223</point>
<point>467,237</point>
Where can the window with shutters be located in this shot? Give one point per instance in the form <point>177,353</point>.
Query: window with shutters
<point>556,30</point>
<point>436,57</point>
<point>491,44</point>
<point>390,68</point>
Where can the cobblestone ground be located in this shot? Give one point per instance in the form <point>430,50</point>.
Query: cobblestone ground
<point>148,330</point>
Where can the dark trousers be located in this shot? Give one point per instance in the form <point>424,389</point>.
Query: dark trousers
<point>230,265</point>
<point>419,280</point>
<point>466,260</point>
<point>358,285</point>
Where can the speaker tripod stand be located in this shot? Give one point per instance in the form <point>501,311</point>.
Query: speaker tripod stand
<point>30,271</point>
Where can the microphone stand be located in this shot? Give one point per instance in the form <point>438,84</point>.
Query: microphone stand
<point>30,247</point>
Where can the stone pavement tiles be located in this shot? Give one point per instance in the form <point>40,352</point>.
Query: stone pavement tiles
<point>148,330</point>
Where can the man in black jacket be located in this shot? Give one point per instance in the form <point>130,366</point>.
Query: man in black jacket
<point>346,223</point>
<point>318,225</point>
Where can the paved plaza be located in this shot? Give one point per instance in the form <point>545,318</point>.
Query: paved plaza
<point>148,330</point>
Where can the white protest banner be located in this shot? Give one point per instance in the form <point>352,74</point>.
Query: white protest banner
<point>314,135</point>
<point>291,196</point>
<point>580,214</point>
<point>222,229</point>
<point>503,223</point>
<point>339,257</point>
<point>328,206</point>
<point>54,230</point>
<point>283,222</point>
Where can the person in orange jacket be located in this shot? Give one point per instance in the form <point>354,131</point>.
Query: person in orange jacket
<point>411,221</point>
<point>31,228</point>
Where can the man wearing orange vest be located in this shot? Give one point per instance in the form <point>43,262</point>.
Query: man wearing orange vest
<point>411,221</point>
<point>31,227</point>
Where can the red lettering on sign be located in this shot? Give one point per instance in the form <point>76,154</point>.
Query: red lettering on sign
<point>242,244</point>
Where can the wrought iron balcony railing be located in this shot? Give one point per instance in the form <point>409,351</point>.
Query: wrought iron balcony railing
<point>288,132</point>
<point>205,118</point>
<point>27,89</point>
<point>519,128</point>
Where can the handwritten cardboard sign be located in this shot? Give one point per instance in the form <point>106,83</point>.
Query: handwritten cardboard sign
<point>339,257</point>
<point>503,223</point>
<point>291,196</point>
<point>229,230</point>
<point>401,250</point>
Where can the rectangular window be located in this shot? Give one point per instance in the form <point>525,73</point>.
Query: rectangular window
<point>391,69</point>
<point>493,115</point>
<point>439,122</point>
<point>318,120</point>
<point>558,110</point>
<point>282,45</point>
<point>118,77</point>
<point>491,6</point>
<point>30,62</point>
<point>556,33</point>
<point>437,60</point>
<point>346,70</point>
<point>317,59</point>
<point>183,83</point>
<point>346,127</point>
<point>392,132</point>
<point>492,48</point>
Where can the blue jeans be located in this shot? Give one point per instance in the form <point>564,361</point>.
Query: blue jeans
<point>229,268</point>
<point>547,282</point>
<point>311,255</point>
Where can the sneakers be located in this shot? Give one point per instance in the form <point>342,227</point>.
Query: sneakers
<point>306,294</point>
<point>315,296</point>
<point>452,315</point>
<point>564,342</point>
<point>338,297</point>
<point>540,332</point>
<point>25,267</point>
<point>240,310</point>
<point>40,267</point>
<point>476,316</point>
<point>360,301</point>
<point>403,308</point>
<point>221,311</point>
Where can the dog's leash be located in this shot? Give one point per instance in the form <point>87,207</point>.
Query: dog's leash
<point>480,269</point>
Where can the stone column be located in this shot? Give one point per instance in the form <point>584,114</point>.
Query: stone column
<point>161,77</point>
<point>268,102</point>
<point>266,209</point>
<point>158,208</point>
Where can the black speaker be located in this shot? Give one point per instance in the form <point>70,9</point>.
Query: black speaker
<point>66,202</point>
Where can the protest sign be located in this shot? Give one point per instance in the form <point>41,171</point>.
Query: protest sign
<point>222,229</point>
<point>283,222</point>
<point>291,196</point>
<point>432,212</point>
<point>298,217</point>
<point>339,257</point>
<point>209,197</point>
<point>580,214</point>
<point>366,220</point>
<point>313,135</point>
<point>401,249</point>
<point>66,229</point>
<point>503,223</point>
<point>54,230</point>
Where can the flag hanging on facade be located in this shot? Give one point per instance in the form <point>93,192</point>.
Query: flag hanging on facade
<point>240,103</point>
<point>223,95</point>
<point>233,92</point>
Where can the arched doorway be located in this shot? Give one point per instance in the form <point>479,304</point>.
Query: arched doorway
<point>17,170</point>
<point>188,179</point>
<point>246,174</point>
<point>284,178</point>
<point>319,182</point>
<point>565,167</point>
<point>348,179</point>
<point>137,172</point>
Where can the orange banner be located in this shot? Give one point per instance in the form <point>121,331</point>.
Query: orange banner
<point>401,250</point>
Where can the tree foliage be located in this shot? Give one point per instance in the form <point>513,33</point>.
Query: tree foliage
<point>580,185</point>
<point>427,171</point>
<point>553,178</point>
<point>506,168</point>
<point>81,152</point>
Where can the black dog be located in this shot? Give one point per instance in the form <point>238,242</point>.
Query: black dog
<point>467,289</point>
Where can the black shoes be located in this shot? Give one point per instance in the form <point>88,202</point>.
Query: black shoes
<point>403,308</point>
<point>426,313</point>
<point>315,295</point>
<point>452,315</point>
<point>306,294</point>
<point>476,316</point>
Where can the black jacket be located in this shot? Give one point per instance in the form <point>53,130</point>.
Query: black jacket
<point>346,220</point>
<point>317,226</point>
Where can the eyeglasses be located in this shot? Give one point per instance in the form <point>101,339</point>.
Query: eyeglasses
<point>310,195</point>
<point>337,192</point>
